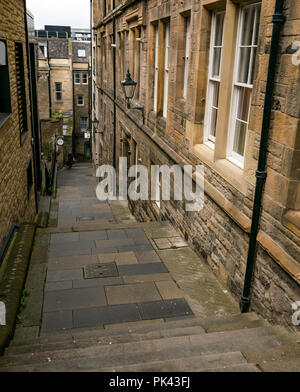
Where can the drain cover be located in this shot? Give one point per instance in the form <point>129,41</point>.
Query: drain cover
<point>104,270</point>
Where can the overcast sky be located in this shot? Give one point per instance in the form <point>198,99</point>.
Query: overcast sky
<point>74,13</point>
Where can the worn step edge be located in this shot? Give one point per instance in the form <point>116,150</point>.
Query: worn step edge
<point>203,362</point>
<point>119,356</point>
<point>247,367</point>
<point>230,337</point>
<point>56,336</point>
<point>283,352</point>
<point>83,341</point>
<point>288,365</point>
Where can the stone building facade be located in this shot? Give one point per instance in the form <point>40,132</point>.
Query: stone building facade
<point>61,60</point>
<point>81,97</point>
<point>18,132</point>
<point>201,68</point>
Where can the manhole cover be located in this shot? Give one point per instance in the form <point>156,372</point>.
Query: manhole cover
<point>104,270</point>
<point>86,218</point>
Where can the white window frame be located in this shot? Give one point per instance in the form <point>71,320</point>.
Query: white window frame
<point>80,104</point>
<point>58,91</point>
<point>76,74</point>
<point>187,55</point>
<point>155,70</point>
<point>87,79</point>
<point>232,155</point>
<point>208,138</point>
<point>81,53</point>
<point>166,69</point>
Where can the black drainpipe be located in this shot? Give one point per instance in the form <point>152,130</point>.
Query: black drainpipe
<point>33,143</point>
<point>115,94</point>
<point>49,81</point>
<point>90,72</point>
<point>261,173</point>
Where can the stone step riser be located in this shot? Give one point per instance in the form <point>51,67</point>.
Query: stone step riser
<point>225,323</point>
<point>190,364</point>
<point>130,337</point>
<point>211,343</point>
<point>91,362</point>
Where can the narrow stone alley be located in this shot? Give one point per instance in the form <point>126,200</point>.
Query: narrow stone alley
<point>129,296</point>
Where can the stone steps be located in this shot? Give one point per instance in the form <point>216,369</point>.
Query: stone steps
<point>145,350</point>
<point>192,364</point>
<point>85,338</point>
<point>211,324</point>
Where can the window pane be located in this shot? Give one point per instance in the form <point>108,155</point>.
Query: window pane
<point>248,24</point>
<point>244,97</point>
<point>240,137</point>
<point>214,108</point>
<point>244,65</point>
<point>215,89</point>
<point>219,29</point>
<point>256,25</point>
<point>216,62</point>
<point>253,54</point>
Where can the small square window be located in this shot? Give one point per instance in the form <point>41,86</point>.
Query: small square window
<point>80,100</point>
<point>81,53</point>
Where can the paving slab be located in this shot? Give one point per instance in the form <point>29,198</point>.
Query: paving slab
<point>71,262</point>
<point>126,258</point>
<point>93,235</point>
<point>60,275</point>
<point>147,278</point>
<point>147,256</point>
<point>58,238</point>
<point>169,289</point>
<point>53,321</point>
<point>67,245</point>
<point>141,269</point>
<point>116,234</point>
<point>164,309</point>
<point>106,315</point>
<point>132,293</point>
<point>63,285</point>
<point>79,283</point>
<point>74,299</point>
<point>69,252</point>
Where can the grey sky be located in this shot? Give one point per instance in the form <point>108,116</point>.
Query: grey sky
<point>74,13</point>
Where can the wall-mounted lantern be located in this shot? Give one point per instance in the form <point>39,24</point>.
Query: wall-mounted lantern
<point>128,86</point>
<point>95,122</point>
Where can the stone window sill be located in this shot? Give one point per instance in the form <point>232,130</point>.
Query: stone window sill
<point>291,220</point>
<point>231,173</point>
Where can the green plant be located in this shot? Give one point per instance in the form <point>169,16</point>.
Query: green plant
<point>23,304</point>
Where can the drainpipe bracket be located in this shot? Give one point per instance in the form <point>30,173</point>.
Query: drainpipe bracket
<point>261,174</point>
<point>278,18</point>
<point>244,304</point>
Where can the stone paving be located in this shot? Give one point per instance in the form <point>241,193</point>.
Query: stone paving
<point>102,268</point>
